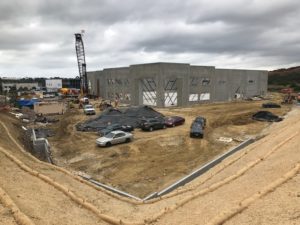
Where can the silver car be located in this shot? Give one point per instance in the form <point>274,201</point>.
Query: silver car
<point>89,110</point>
<point>114,137</point>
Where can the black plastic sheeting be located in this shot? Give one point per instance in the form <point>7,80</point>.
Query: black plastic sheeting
<point>127,116</point>
<point>266,116</point>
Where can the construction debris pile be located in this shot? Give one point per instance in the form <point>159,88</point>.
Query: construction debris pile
<point>127,116</point>
<point>44,119</point>
<point>44,132</point>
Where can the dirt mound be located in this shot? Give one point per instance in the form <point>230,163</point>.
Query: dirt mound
<point>127,116</point>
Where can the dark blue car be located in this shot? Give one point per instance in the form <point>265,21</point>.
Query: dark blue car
<point>197,127</point>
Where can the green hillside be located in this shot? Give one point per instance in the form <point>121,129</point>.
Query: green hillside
<point>285,78</point>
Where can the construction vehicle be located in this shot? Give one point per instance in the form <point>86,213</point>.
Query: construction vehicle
<point>81,64</point>
<point>290,96</point>
<point>84,90</point>
<point>83,101</point>
<point>67,92</point>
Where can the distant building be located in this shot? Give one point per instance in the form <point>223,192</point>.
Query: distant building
<point>7,86</point>
<point>28,86</point>
<point>171,84</point>
<point>39,83</point>
<point>53,85</point>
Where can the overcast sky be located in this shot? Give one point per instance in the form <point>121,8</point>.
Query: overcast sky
<point>37,36</point>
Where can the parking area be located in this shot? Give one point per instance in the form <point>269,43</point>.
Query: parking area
<point>153,160</point>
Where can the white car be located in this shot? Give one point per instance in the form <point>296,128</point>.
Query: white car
<point>114,137</point>
<point>89,110</point>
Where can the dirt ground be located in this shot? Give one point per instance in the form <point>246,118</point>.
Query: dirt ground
<point>5,216</point>
<point>156,159</point>
<point>258,185</point>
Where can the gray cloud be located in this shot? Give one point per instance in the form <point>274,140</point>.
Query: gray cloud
<point>38,37</point>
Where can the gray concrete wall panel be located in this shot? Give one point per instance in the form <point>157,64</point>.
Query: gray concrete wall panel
<point>199,81</point>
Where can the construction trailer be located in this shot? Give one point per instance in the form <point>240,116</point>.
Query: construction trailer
<point>50,108</point>
<point>176,84</point>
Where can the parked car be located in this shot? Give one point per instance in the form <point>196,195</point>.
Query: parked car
<point>196,130</point>
<point>197,127</point>
<point>153,124</point>
<point>116,126</point>
<point>89,110</point>
<point>114,137</point>
<point>271,105</point>
<point>173,121</point>
<point>266,116</point>
<point>201,120</point>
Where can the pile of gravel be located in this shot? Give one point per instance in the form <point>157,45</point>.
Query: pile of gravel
<point>126,116</point>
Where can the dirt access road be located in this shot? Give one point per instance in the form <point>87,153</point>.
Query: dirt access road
<point>156,159</point>
<point>259,185</point>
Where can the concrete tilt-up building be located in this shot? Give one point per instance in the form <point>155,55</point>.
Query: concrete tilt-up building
<point>166,84</point>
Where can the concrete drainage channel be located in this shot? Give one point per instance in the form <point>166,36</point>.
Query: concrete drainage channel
<point>181,182</point>
<point>41,148</point>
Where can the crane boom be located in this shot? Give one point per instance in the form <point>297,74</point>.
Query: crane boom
<point>81,63</point>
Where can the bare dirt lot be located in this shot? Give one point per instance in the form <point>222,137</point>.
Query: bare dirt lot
<point>258,185</point>
<point>156,159</point>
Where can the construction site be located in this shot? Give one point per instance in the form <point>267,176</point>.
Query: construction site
<point>242,167</point>
<point>157,159</point>
<point>241,187</point>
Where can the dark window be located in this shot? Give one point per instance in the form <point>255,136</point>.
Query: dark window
<point>119,135</point>
<point>205,81</point>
